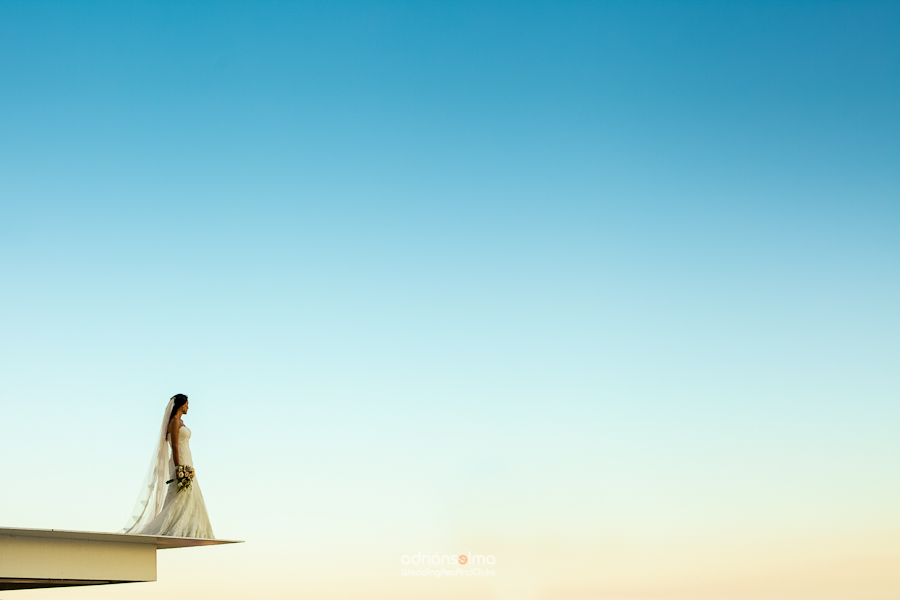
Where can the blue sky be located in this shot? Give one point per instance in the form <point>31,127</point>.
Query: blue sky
<point>551,260</point>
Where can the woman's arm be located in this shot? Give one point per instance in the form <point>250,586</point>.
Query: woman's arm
<point>173,439</point>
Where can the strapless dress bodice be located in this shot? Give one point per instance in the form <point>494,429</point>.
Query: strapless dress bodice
<point>184,447</point>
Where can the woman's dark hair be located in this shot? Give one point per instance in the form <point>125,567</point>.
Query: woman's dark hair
<point>179,401</point>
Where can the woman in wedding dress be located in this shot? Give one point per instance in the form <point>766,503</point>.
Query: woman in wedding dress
<point>164,507</point>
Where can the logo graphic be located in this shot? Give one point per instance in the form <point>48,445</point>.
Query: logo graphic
<point>442,565</point>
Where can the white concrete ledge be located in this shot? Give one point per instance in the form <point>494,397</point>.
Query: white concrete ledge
<point>31,558</point>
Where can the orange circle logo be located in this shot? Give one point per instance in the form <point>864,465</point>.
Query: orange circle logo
<point>463,559</point>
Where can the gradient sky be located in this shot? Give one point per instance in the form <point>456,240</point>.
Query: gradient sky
<point>608,290</point>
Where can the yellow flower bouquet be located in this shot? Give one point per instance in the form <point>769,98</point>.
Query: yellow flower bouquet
<point>183,475</point>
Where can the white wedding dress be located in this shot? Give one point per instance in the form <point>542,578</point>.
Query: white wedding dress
<point>161,509</point>
<point>183,513</point>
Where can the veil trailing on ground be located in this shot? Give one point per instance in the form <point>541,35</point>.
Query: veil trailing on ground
<point>153,493</point>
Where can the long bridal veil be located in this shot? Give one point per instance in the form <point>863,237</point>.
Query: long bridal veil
<point>153,492</point>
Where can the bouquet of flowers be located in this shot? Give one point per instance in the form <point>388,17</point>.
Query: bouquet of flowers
<point>183,475</point>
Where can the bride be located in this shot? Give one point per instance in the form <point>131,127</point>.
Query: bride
<point>166,506</point>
